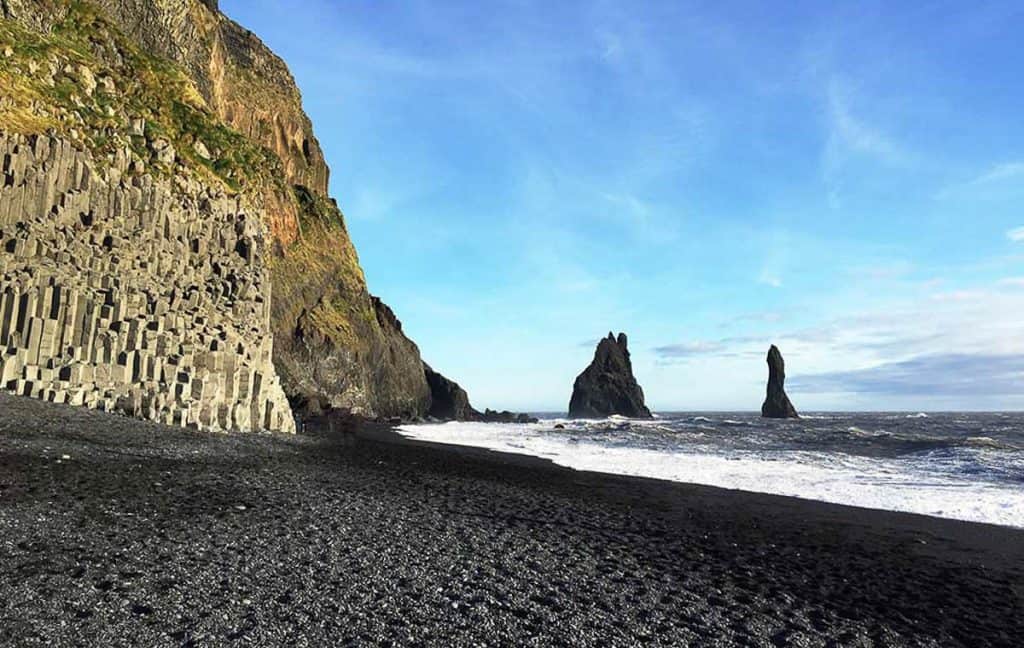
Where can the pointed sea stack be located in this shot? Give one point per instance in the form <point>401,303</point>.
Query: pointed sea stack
<point>776,403</point>
<point>607,386</point>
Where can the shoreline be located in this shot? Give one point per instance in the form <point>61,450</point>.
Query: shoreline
<point>390,434</point>
<point>152,535</point>
<point>856,475</point>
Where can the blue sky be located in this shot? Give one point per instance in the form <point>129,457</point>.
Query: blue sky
<point>845,180</point>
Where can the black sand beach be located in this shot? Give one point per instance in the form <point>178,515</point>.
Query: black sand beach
<point>117,532</point>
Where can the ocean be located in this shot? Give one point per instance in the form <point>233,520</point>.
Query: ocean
<point>965,466</point>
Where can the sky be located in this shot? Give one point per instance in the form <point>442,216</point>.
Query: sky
<point>845,180</point>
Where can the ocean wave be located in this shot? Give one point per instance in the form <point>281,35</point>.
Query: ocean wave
<point>865,434</point>
<point>956,483</point>
<point>984,442</point>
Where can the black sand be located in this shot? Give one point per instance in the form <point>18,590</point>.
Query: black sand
<point>150,536</point>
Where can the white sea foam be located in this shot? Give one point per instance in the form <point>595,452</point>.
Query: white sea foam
<point>864,434</point>
<point>841,479</point>
<point>983,441</point>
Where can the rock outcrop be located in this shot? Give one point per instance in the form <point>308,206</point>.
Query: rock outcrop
<point>608,386</point>
<point>505,416</point>
<point>448,401</point>
<point>193,94</point>
<point>776,403</point>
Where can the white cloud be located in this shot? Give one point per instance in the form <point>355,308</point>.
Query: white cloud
<point>850,133</point>
<point>882,270</point>
<point>850,136</point>
<point>999,172</point>
<point>996,180</point>
<point>941,374</point>
<point>769,279</point>
<point>611,46</point>
<point>763,316</point>
<point>635,210</point>
<point>968,328</point>
<point>1016,234</point>
<point>687,349</point>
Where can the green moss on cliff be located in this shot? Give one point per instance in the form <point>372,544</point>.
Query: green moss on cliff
<point>323,261</point>
<point>82,78</point>
<point>86,80</point>
<point>314,210</point>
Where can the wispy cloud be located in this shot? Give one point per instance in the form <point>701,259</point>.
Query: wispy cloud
<point>882,270</point>
<point>1016,234</point>
<point>843,354</point>
<point>637,214</point>
<point>994,181</point>
<point>1000,172</point>
<point>929,375</point>
<point>853,133</point>
<point>726,347</point>
<point>610,45</point>
<point>690,349</point>
<point>850,136</point>
<point>765,316</point>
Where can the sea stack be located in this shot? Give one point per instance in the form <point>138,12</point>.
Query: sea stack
<point>607,386</point>
<point>776,403</point>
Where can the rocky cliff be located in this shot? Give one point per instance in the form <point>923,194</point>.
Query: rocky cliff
<point>133,277</point>
<point>776,402</point>
<point>448,401</point>
<point>185,92</point>
<point>607,386</point>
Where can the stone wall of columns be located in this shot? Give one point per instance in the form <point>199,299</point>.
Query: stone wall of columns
<point>134,292</point>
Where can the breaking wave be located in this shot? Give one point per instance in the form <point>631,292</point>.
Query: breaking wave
<point>966,467</point>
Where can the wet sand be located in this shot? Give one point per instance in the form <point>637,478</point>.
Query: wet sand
<point>119,532</point>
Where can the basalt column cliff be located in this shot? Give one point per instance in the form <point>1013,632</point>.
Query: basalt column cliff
<point>168,245</point>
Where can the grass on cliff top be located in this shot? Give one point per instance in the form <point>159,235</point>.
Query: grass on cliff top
<point>45,79</point>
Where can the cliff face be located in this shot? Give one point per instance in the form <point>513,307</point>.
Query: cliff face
<point>243,82</point>
<point>607,386</point>
<point>329,341</point>
<point>448,401</point>
<point>133,278</point>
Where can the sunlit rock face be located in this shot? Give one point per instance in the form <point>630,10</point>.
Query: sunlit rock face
<point>194,97</point>
<point>134,293</point>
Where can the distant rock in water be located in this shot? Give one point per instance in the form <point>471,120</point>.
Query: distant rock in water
<point>505,416</point>
<point>607,386</point>
<point>450,402</point>
<point>776,403</point>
